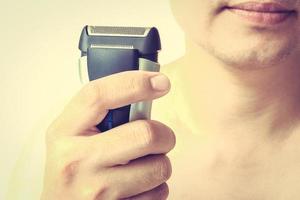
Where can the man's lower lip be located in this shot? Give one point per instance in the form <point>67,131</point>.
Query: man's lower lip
<point>263,18</point>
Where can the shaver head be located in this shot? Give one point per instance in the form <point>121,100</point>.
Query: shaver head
<point>144,39</point>
<point>109,49</point>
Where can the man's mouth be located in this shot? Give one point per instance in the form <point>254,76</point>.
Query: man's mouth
<point>262,13</point>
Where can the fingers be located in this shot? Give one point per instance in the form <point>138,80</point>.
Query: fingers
<point>139,176</point>
<point>130,141</point>
<point>91,104</point>
<point>161,192</point>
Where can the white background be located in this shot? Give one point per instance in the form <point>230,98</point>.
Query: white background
<point>38,68</point>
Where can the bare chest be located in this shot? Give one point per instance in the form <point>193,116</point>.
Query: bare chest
<point>259,174</point>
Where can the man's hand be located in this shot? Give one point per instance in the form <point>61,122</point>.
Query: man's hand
<point>127,161</point>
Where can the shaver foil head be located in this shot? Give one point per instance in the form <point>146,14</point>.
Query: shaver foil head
<point>117,31</point>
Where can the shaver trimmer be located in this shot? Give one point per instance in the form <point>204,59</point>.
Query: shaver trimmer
<point>107,50</point>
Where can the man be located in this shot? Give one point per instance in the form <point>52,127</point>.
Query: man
<point>240,91</point>
<point>233,108</point>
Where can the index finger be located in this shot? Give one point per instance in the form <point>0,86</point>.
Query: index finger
<point>91,104</point>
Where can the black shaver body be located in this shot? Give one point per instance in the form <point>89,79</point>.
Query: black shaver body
<point>107,50</point>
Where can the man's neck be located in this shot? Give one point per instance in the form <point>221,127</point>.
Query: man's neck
<point>213,97</point>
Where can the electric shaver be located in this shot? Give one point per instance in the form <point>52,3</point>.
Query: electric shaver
<point>107,50</point>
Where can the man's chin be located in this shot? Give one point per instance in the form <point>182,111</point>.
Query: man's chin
<point>251,62</point>
<point>251,58</point>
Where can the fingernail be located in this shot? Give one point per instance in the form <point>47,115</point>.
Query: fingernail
<point>160,82</point>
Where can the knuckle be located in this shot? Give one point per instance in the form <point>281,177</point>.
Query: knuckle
<point>108,188</point>
<point>102,193</point>
<point>172,139</point>
<point>148,133</point>
<point>105,189</point>
<point>151,133</point>
<point>163,191</point>
<point>169,134</point>
<point>69,171</point>
<point>89,192</point>
<point>163,168</point>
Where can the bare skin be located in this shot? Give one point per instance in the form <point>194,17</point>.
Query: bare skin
<point>235,95</point>
<point>128,161</point>
<point>241,161</point>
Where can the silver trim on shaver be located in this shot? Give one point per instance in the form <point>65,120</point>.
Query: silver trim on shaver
<point>83,70</point>
<point>91,31</point>
<point>139,110</point>
<point>142,110</point>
